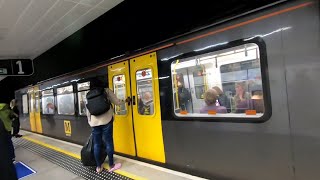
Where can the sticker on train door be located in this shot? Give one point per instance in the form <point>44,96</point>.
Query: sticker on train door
<point>67,128</point>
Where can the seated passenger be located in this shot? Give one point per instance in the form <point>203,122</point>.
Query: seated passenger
<point>223,99</point>
<point>147,108</point>
<point>241,100</point>
<point>210,98</point>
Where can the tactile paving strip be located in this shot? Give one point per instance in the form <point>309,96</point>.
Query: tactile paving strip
<point>67,162</point>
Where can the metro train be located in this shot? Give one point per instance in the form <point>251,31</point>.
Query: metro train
<point>234,100</point>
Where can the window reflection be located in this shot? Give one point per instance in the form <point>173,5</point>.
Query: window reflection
<point>65,99</point>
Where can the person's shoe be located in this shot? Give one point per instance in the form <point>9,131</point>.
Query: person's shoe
<point>115,167</point>
<point>18,135</point>
<point>99,169</point>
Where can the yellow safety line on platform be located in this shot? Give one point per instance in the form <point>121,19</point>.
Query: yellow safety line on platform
<point>123,173</point>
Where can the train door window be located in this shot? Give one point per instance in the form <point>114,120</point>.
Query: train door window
<point>119,89</point>
<point>48,102</point>
<point>225,83</point>
<point>83,89</point>
<point>65,99</point>
<point>25,104</point>
<point>145,92</point>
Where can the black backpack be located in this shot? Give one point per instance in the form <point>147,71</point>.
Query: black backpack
<point>97,101</point>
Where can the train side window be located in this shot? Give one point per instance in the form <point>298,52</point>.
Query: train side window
<point>145,92</point>
<point>83,89</point>
<point>65,99</point>
<point>119,89</point>
<point>48,102</point>
<point>25,108</point>
<point>224,83</point>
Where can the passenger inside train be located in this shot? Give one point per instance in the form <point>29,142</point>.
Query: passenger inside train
<point>147,108</point>
<point>223,99</point>
<point>210,98</point>
<point>240,101</point>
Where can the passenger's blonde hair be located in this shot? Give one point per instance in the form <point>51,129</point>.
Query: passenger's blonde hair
<point>210,96</point>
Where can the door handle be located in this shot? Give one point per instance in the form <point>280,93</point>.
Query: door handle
<point>133,100</point>
<point>129,102</point>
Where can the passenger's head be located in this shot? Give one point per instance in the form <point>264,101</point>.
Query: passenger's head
<point>147,96</point>
<point>210,97</point>
<point>240,88</point>
<point>13,103</point>
<point>219,91</point>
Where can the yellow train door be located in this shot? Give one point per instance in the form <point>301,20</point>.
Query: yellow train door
<point>146,107</point>
<point>119,82</point>
<point>34,111</point>
<point>145,133</point>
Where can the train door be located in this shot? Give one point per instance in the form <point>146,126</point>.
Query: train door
<point>119,81</point>
<point>146,107</point>
<point>34,111</point>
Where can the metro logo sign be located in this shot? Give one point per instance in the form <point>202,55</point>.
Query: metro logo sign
<point>16,67</point>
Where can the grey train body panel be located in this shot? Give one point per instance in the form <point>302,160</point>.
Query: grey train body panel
<point>302,59</point>
<point>286,146</point>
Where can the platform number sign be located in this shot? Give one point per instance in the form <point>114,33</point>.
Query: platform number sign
<point>16,67</point>
<point>67,128</point>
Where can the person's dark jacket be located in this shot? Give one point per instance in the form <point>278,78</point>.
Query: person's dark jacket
<point>7,169</point>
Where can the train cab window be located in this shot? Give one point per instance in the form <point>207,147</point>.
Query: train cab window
<point>83,89</point>
<point>145,92</point>
<point>48,102</point>
<point>65,99</point>
<point>225,83</point>
<point>25,104</point>
<point>119,89</point>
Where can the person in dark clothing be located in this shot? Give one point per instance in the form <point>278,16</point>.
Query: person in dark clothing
<point>7,169</point>
<point>223,99</point>
<point>16,121</point>
<point>184,96</point>
<point>6,116</point>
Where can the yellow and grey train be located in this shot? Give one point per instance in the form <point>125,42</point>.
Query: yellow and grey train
<point>234,100</point>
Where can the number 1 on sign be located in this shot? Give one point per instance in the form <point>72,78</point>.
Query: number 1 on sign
<point>20,67</point>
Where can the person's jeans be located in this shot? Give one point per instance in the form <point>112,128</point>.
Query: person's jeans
<point>11,148</point>
<point>103,132</point>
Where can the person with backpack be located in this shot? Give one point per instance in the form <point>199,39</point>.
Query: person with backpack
<point>100,118</point>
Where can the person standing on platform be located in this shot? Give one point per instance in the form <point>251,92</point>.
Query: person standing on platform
<point>16,121</point>
<point>7,169</point>
<point>102,125</point>
<point>6,114</point>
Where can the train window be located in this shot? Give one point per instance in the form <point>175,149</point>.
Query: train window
<point>83,89</point>
<point>65,99</point>
<point>119,89</point>
<point>25,104</point>
<point>225,83</point>
<point>48,102</point>
<point>145,92</point>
